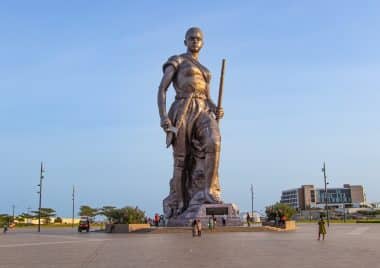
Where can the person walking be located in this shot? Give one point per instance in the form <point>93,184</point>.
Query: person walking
<point>5,226</point>
<point>283,220</point>
<point>321,228</point>
<point>195,228</point>
<point>248,220</point>
<point>156,219</point>
<point>210,224</point>
<point>277,219</point>
<point>199,227</point>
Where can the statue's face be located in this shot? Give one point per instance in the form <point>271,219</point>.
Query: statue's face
<point>194,41</point>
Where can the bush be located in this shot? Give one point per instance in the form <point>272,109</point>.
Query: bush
<point>58,220</point>
<point>368,221</point>
<point>369,213</point>
<point>280,209</point>
<point>127,215</point>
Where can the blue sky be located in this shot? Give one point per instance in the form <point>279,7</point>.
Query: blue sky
<point>79,79</point>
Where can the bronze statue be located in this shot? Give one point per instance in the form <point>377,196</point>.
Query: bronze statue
<point>192,130</point>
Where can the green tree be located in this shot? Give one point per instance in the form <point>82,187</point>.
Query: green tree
<point>5,218</point>
<point>88,211</point>
<point>107,211</point>
<point>46,214</point>
<point>280,209</point>
<point>25,216</point>
<point>58,220</point>
<point>20,219</point>
<point>135,215</point>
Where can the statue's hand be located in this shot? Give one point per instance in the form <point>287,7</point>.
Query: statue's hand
<point>166,123</point>
<point>219,113</point>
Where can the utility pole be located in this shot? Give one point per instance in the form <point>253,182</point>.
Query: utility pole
<point>252,200</point>
<point>326,200</point>
<point>28,211</point>
<point>13,213</point>
<point>72,223</point>
<point>40,193</point>
<point>344,212</point>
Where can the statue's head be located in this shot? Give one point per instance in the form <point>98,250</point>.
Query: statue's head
<point>194,39</point>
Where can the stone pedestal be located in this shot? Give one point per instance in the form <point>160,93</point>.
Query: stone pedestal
<point>204,212</point>
<point>125,228</point>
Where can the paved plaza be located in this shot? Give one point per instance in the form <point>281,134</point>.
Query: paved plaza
<point>347,245</point>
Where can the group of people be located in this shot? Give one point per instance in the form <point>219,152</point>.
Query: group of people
<point>6,226</point>
<point>212,223</point>
<point>197,226</point>
<point>157,220</point>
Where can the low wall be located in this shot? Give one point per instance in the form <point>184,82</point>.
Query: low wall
<point>125,228</point>
<point>290,225</point>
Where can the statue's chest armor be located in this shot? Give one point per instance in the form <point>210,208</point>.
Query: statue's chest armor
<point>187,69</point>
<point>190,78</point>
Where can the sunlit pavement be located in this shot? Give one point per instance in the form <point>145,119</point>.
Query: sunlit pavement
<point>346,245</point>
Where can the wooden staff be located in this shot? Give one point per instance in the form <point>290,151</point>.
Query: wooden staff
<point>220,97</point>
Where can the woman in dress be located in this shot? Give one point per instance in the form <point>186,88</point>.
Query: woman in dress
<point>321,228</point>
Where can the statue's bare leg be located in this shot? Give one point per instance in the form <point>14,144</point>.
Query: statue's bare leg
<point>178,173</point>
<point>210,140</point>
<point>179,155</point>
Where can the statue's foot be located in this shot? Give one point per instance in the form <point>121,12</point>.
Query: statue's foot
<point>180,208</point>
<point>210,198</point>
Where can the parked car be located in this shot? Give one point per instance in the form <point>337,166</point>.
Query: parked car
<point>84,224</point>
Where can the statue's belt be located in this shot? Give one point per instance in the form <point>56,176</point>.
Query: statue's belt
<point>194,95</point>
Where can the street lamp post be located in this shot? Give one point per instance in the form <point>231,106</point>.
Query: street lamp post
<point>40,194</point>
<point>28,213</point>
<point>72,222</point>
<point>13,213</point>
<point>252,200</point>
<point>326,200</point>
<point>344,212</point>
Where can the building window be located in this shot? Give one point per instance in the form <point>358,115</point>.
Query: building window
<point>312,196</point>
